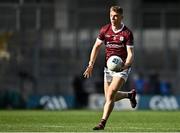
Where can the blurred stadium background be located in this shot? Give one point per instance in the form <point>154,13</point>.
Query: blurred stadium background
<point>45,47</point>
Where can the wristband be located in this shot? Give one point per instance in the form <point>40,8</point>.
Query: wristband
<point>91,63</point>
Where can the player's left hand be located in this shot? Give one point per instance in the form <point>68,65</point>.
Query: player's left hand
<point>88,72</point>
<point>125,67</point>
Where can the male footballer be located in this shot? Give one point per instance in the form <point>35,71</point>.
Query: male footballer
<point>118,40</point>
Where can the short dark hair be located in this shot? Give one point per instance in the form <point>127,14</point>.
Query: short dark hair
<point>117,9</point>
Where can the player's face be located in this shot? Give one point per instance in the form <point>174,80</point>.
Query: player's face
<point>115,18</point>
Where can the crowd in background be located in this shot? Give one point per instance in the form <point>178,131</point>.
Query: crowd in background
<point>151,84</point>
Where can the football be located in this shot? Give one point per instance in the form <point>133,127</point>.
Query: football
<point>114,63</point>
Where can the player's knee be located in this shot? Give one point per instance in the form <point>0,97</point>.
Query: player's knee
<point>111,95</point>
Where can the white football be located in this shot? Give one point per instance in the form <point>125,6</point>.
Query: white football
<point>114,63</point>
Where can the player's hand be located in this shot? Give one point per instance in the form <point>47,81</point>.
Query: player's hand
<point>88,72</point>
<point>124,67</point>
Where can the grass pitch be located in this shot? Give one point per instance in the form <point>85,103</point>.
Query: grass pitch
<point>84,121</point>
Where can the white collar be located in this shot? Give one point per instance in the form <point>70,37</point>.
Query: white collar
<point>119,29</point>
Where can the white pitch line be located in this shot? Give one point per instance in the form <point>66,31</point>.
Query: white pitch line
<point>132,128</point>
<point>56,126</point>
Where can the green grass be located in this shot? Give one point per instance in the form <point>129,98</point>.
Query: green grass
<point>84,121</point>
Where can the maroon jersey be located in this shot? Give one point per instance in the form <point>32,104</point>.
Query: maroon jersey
<point>116,42</point>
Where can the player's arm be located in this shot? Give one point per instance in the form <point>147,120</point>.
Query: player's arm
<point>130,57</point>
<point>93,56</point>
<point>95,52</point>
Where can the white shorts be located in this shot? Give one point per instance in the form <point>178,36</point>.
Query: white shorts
<point>108,74</point>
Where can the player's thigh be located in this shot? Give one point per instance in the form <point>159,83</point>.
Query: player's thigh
<point>106,86</point>
<point>116,84</point>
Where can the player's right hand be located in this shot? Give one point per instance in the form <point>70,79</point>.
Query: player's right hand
<point>88,72</point>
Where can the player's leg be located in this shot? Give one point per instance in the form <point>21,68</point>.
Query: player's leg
<point>130,95</point>
<point>110,93</point>
<point>106,86</point>
<point>108,76</point>
<point>107,80</point>
<point>102,123</point>
<point>119,95</point>
<point>111,96</point>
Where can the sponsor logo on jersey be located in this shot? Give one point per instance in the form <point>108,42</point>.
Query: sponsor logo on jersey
<point>113,45</point>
